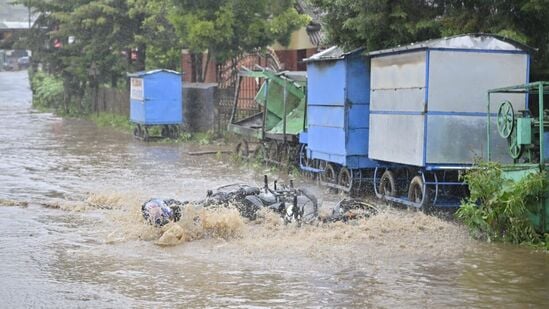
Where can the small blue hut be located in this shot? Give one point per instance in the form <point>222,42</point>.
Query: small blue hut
<point>156,99</point>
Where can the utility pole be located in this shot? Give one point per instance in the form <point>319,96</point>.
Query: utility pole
<point>29,10</point>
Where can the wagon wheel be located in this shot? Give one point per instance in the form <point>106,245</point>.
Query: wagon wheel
<point>260,153</point>
<point>345,179</point>
<point>272,151</point>
<point>387,184</point>
<point>329,176</point>
<point>506,119</point>
<point>515,150</point>
<point>146,134</point>
<point>419,194</point>
<point>321,165</point>
<point>137,131</point>
<point>174,132</point>
<point>357,182</point>
<point>166,132</point>
<point>242,149</point>
<point>309,163</point>
<point>284,154</point>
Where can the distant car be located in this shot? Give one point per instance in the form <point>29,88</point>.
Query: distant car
<point>23,62</point>
<point>10,65</point>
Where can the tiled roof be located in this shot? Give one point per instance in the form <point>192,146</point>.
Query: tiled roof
<point>314,29</point>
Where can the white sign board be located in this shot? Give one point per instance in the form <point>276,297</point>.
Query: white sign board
<point>137,91</point>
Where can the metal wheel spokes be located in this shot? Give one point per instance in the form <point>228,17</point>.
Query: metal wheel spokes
<point>506,119</point>
<point>417,194</point>
<point>242,149</point>
<point>515,150</point>
<point>329,174</point>
<point>260,153</point>
<point>174,132</point>
<point>284,154</point>
<point>165,131</point>
<point>387,184</point>
<point>272,151</point>
<point>309,163</point>
<point>345,179</point>
<point>146,134</point>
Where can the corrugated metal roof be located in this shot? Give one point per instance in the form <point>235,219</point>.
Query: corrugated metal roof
<point>143,73</point>
<point>332,53</point>
<point>298,76</point>
<point>14,25</point>
<point>478,41</point>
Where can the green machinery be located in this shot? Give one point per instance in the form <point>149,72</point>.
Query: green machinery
<point>527,134</point>
<point>269,111</point>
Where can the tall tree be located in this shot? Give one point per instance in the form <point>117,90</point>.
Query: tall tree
<point>227,28</point>
<point>379,24</point>
<point>157,35</point>
<point>84,42</point>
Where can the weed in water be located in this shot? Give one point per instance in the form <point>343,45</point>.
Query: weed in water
<point>497,208</point>
<point>112,120</point>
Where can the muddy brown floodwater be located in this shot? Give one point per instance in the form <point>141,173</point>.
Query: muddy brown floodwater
<point>72,235</point>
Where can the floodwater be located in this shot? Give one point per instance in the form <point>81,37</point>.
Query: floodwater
<point>72,236</point>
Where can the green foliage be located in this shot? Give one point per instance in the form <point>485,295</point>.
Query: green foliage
<point>47,90</point>
<point>112,120</point>
<point>378,24</point>
<point>163,49</point>
<point>497,208</point>
<point>89,43</point>
<point>203,138</point>
<point>228,28</point>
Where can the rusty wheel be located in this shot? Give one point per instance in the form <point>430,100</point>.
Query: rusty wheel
<point>419,194</point>
<point>273,151</point>
<point>260,153</point>
<point>387,184</point>
<point>329,176</point>
<point>242,150</point>
<point>345,179</point>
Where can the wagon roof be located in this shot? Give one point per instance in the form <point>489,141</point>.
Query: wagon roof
<point>476,41</point>
<point>332,53</point>
<point>143,73</point>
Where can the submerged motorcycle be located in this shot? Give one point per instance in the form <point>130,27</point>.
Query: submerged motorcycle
<point>294,205</point>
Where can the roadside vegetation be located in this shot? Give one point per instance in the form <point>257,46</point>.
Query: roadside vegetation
<point>498,209</point>
<point>119,122</point>
<point>84,45</point>
<point>47,90</point>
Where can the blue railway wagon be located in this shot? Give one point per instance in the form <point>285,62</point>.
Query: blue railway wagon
<point>338,103</point>
<point>428,111</point>
<point>156,100</point>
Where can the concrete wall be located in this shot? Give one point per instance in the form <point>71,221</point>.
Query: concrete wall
<point>200,107</point>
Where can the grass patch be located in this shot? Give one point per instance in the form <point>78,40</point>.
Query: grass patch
<point>109,120</point>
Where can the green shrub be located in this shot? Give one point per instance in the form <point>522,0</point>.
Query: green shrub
<point>47,90</point>
<point>497,208</point>
<point>112,120</point>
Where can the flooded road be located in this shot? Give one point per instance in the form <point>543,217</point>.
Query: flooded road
<point>72,235</point>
